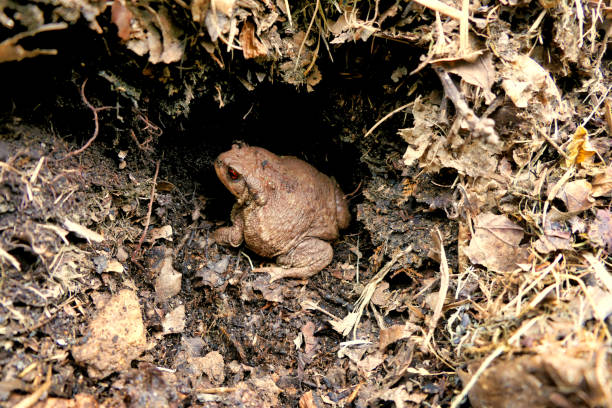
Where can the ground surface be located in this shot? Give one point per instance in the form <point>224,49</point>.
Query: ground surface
<point>474,149</point>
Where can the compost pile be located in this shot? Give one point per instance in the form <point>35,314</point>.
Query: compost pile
<point>472,140</point>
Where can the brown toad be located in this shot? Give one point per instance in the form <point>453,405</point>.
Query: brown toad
<point>285,208</point>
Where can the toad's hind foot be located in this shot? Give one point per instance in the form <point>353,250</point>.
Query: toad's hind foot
<point>304,261</point>
<point>278,272</point>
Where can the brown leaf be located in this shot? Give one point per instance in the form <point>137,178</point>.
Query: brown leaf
<point>480,73</point>
<point>394,333</point>
<point>224,6</point>
<point>251,46</point>
<point>555,237</point>
<point>527,84</point>
<point>199,9</point>
<point>154,32</point>
<point>579,149</point>
<point>600,231</point>
<point>577,196</point>
<point>307,400</point>
<point>495,243</point>
<point>602,183</point>
<point>532,381</point>
<point>310,341</point>
<point>164,232</point>
<point>121,16</point>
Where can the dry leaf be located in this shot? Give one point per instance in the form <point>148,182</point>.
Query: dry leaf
<point>251,46</point>
<point>600,230</point>
<point>394,333</point>
<point>480,73</point>
<point>577,196</point>
<point>199,9</point>
<point>310,341</point>
<point>121,16</point>
<point>495,243</point>
<point>272,293</point>
<point>79,401</point>
<point>420,136</point>
<point>579,149</point>
<point>527,84</point>
<point>154,33</point>
<point>307,401</point>
<point>556,236</point>
<point>224,6</point>
<point>164,232</point>
<point>370,362</point>
<point>531,380</point>
<point>602,183</point>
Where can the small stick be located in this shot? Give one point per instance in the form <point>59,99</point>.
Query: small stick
<point>148,220</point>
<point>96,124</point>
<point>480,127</point>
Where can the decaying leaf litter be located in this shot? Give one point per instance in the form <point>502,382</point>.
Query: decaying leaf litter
<point>478,264</point>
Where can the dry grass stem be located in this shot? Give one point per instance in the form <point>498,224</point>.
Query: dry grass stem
<point>441,7</point>
<point>350,322</point>
<point>487,362</point>
<point>387,116</point>
<point>444,281</point>
<point>33,398</point>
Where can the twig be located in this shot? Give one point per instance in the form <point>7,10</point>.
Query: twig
<point>350,195</point>
<point>96,124</point>
<point>603,98</point>
<point>11,51</point>
<point>554,144</point>
<point>148,220</point>
<point>387,116</point>
<point>479,127</point>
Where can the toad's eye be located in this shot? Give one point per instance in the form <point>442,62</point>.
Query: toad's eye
<point>233,174</point>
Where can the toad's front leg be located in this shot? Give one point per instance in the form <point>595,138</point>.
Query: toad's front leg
<point>303,261</point>
<point>232,235</point>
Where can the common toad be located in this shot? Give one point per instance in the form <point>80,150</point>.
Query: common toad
<point>285,208</point>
